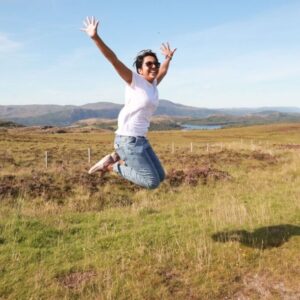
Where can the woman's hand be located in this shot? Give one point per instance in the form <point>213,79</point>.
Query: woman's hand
<point>166,50</point>
<point>91,25</point>
<point>168,53</point>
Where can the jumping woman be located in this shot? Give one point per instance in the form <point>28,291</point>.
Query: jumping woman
<point>134,158</point>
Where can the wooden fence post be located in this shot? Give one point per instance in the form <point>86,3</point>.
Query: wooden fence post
<point>46,159</point>
<point>89,155</point>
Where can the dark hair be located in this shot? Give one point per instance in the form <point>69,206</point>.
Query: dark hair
<point>140,58</point>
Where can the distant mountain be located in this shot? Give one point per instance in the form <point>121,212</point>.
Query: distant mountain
<point>67,117</point>
<point>59,115</point>
<point>102,106</point>
<point>265,117</point>
<point>169,108</point>
<point>244,111</point>
<point>10,112</point>
<point>64,115</point>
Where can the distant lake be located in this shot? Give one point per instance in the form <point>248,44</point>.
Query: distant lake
<point>200,127</point>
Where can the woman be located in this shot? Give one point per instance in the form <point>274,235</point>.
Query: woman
<point>134,158</point>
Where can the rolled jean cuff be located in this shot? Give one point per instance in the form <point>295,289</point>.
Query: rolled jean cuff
<point>115,167</point>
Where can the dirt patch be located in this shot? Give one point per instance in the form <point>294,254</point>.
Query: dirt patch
<point>61,185</point>
<point>37,184</point>
<point>263,286</point>
<point>177,287</point>
<point>226,156</point>
<point>48,185</point>
<point>195,176</point>
<point>95,183</point>
<point>75,280</point>
<point>43,184</point>
<point>170,279</point>
<point>229,156</point>
<point>265,157</point>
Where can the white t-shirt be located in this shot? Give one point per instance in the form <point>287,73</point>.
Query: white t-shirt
<point>141,101</point>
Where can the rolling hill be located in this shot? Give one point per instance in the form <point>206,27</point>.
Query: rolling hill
<point>65,115</point>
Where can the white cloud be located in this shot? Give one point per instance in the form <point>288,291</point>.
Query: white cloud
<point>7,45</point>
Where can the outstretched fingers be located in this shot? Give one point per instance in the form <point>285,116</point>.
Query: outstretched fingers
<point>89,20</point>
<point>166,49</point>
<point>90,26</point>
<point>94,21</point>
<point>85,24</point>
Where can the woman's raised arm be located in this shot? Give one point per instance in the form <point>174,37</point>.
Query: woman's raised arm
<point>90,28</point>
<point>168,53</point>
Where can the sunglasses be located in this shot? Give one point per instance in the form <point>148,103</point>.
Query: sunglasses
<point>149,64</point>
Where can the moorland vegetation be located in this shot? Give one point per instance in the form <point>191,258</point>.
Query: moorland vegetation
<point>225,224</point>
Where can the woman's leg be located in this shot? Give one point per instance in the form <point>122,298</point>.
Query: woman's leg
<point>138,166</point>
<point>156,163</point>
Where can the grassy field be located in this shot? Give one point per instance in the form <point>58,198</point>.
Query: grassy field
<point>225,224</point>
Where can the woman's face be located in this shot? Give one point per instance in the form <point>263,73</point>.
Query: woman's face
<point>149,69</point>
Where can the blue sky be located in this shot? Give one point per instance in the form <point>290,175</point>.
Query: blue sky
<point>231,53</point>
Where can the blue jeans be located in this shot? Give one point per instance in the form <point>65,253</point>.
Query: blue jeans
<point>142,166</point>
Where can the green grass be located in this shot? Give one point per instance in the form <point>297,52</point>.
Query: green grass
<point>230,238</point>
